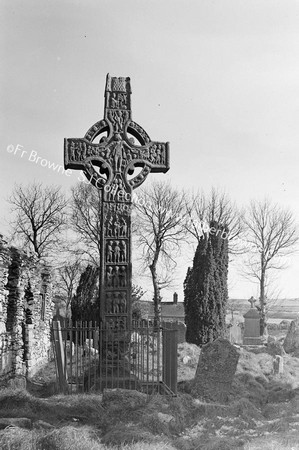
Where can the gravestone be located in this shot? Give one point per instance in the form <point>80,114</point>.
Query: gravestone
<point>108,155</point>
<point>252,329</point>
<point>215,371</point>
<point>278,365</point>
<point>235,332</point>
<point>291,342</point>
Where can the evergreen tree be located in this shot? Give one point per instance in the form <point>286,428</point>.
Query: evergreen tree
<point>85,303</point>
<point>205,289</point>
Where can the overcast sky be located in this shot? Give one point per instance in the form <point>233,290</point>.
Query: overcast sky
<point>218,79</point>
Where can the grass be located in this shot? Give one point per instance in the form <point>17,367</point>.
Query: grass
<point>67,438</point>
<point>57,410</point>
<point>81,421</point>
<point>60,439</point>
<point>286,442</point>
<point>263,413</point>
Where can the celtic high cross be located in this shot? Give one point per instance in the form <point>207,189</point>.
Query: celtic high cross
<point>109,154</point>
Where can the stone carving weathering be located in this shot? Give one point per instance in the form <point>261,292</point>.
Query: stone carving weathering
<point>109,154</point>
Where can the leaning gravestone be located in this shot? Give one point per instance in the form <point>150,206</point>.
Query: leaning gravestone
<point>108,155</point>
<point>215,371</point>
<point>291,342</point>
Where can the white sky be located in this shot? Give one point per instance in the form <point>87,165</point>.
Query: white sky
<point>218,79</point>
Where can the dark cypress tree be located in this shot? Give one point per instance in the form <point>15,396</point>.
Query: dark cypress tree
<point>205,289</point>
<point>85,303</point>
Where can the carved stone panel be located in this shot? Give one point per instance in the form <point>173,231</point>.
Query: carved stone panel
<point>116,226</point>
<point>116,302</point>
<point>116,276</point>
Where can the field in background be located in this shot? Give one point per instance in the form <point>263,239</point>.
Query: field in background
<point>281,309</point>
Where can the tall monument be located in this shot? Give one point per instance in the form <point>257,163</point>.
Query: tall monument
<point>109,154</point>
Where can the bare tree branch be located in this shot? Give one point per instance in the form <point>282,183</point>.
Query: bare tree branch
<point>273,234</point>
<point>67,279</point>
<point>39,216</point>
<point>85,219</point>
<point>159,212</point>
<point>202,209</point>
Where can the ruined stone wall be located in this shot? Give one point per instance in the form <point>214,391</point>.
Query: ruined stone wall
<point>4,264</point>
<point>6,345</point>
<point>26,310</point>
<point>39,330</point>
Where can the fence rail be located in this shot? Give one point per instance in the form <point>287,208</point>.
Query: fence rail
<point>90,357</point>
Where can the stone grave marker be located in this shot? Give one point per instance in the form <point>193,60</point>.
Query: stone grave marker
<point>291,342</point>
<point>235,332</point>
<point>108,155</point>
<point>215,371</point>
<point>278,364</point>
<point>252,330</point>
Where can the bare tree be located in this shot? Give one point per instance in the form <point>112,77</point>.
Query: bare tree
<point>39,217</point>
<point>68,277</point>
<point>272,234</point>
<point>159,227</point>
<point>86,220</point>
<point>202,210</point>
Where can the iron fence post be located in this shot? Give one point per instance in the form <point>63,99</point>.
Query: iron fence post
<point>170,357</point>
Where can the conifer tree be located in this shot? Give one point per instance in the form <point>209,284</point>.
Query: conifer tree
<point>205,289</point>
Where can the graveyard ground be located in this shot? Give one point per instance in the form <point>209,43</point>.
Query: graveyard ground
<point>263,413</point>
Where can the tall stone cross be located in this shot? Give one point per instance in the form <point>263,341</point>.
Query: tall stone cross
<point>108,154</point>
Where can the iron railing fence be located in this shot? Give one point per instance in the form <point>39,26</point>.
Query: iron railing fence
<point>91,357</point>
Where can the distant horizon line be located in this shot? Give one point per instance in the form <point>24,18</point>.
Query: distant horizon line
<point>231,299</point>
